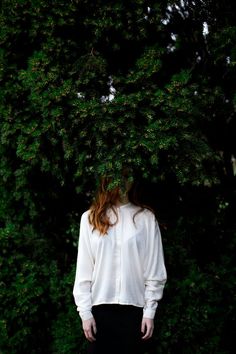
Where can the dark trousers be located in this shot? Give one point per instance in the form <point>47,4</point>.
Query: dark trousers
<point>118,329</point>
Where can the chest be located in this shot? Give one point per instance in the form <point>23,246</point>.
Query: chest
<point>126,236</point>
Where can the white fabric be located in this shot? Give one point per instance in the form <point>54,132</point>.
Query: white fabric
<point>126,266</point>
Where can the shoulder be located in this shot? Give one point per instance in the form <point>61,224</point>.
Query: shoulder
<point>144,215</point>
<point>144,212</point>
<point>149,213</point>
<point>85,216</point>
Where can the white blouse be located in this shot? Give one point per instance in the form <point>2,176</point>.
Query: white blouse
<point>125,266</point>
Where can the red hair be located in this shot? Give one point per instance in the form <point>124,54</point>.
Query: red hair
<point>106,199</point>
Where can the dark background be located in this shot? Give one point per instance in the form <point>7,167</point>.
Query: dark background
<point>171,118</point>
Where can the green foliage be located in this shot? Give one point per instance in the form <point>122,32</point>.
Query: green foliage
<point>198,317</point>
<point>24,297</point>
<point>67,333</point>
<point>171,119</point>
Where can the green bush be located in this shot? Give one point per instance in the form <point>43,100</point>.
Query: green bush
<point>171,118</point>
<point>25,319</point>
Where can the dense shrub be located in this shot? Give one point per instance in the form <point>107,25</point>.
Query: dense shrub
<point>85,87</point>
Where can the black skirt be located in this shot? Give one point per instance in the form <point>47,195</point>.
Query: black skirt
<point>118,329</point>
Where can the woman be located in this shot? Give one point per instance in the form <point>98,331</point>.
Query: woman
<point>120,271</point>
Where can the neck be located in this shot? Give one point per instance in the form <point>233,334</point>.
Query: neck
<point>123,200</point>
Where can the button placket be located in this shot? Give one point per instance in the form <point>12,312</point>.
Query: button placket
<point>118,263</point>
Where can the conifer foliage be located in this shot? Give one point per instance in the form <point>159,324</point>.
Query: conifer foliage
<point>86,87</point>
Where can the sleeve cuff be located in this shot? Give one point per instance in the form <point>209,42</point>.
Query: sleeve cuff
<point>149,312</point>
<point>85,315</point>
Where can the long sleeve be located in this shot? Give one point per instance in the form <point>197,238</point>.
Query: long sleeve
<point>84,271</point>
<point>155,274</point>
